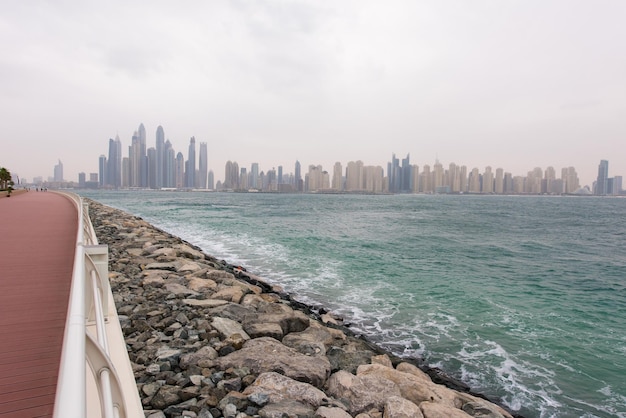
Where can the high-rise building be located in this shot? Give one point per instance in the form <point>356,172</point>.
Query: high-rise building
<point>425,180</point>
<point>548,180</point>
<point>254,177</point>
<point>487,183</point>
<point>203,166</point>
<point>169,165</point>
<point>58,172</point>
<point>231,176</point>
<point>134,155</point>
<point>102,170</point>
<point>617,185</point>
<point>355,176</point>
<point>152,167</point>
<point>437,176</point>
<point>373,179</point>
<point>570,180</point>
<point>211,181</point>
<point>160,180</point>
<point>114,164</point>
<point>298,177</point>
<point>190,168</point>
<point>179,175</point>
<point>243,178</point>
<point>415,180</point>
<point>143,157</point>
<point>499,181</point>
<point>603,178</point>
<point>474,181</point>
<point>337,177</point>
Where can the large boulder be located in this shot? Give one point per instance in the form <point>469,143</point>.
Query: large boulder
<point>280,388</point>
<point>313,340</point>
<point>439,410</point>
<point>227,327</point>
<point>396,407</point>
<point>265,354</point>
<point>411,387</point>
<point>288,408</point>
<point>361,393</point>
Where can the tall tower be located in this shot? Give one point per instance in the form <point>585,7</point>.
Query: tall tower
<point>487,185</point>
<point>169,165</point>
<point>134,155</point>
<point>102,170</point>
<point>254,177</point>
<point>58,172</point>
<point>143,157</point>
<point>603,178</point>
<point>203,166</point>
<point>160,158</point>
<point>337,177</point>
<point>298,175</point>
<point>179,173</point>
<point>190,173</point>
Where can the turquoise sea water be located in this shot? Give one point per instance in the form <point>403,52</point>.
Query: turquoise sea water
<point>522,298</point>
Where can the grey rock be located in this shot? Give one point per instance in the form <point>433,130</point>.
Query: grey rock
<point>162,266</point>
<point>227,327</point>
<point>166,396</point>
<point>397,407</point>
<point>361,392</point>
<point>266,354</point>
<point>287,409</point>
<point>207,303</point>
<point>280,388</point>
<point>326,412</point>
<point>191,359</point>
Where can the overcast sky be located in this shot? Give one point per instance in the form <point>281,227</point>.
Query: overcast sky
<point>511,84</point>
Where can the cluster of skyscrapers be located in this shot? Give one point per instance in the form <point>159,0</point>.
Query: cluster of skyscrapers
<point>161,167</point>
<point>154,168</point>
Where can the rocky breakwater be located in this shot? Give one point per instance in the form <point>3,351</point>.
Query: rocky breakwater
<point>208,340</point>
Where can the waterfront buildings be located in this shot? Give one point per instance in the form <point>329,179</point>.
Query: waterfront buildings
<point>161,167</point>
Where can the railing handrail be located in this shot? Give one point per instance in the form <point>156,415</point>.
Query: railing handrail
<point>89,302</point>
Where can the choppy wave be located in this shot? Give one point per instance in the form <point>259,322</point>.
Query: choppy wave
<point>522,298</point>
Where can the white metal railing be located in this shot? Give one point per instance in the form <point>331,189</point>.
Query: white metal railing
<point>105,389</point>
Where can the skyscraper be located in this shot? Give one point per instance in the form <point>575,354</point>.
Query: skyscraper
<point>114,164</point>
<point>179,171</point>
<point>298,175</point>
<point>190,169</point>
<point>337,177</point>
<point>203,166</point>
<point>160,158</point>
<point>169,165</point>
<point>603,178</point>
<point>58,172</point>
<point>143,157</point>
<point>231,175</point>
<point>102,170</point>
<point>254,177</point>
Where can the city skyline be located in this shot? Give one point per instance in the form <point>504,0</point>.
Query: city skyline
<point>162,167</point>
<point>517,85</point>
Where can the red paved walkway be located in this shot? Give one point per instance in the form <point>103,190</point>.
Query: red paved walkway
<point>37,241</point>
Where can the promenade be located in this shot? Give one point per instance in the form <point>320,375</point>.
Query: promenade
<point>37,242</point>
